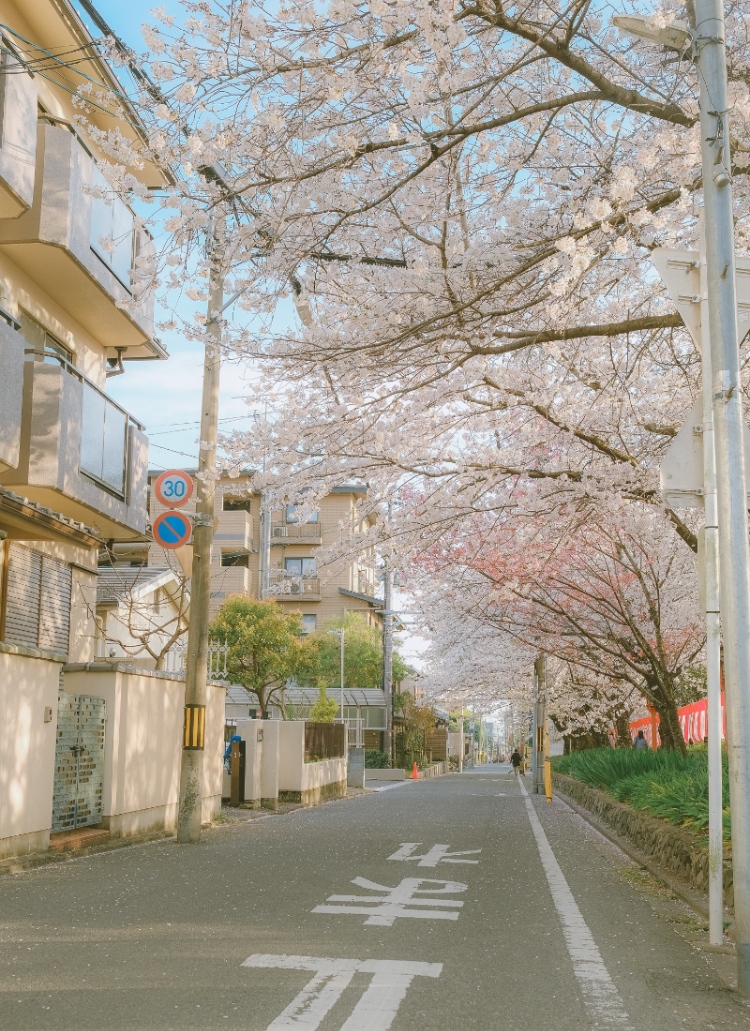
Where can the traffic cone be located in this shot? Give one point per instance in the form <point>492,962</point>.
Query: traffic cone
<point>414,772</point>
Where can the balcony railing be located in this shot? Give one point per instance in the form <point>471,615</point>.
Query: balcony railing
<point>284,586</point>
<point>289,533</point>
<point>81,453</point>
<point>105,429</point>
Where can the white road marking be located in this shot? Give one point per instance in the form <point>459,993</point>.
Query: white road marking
<point>385,909</point>
<point>374,1011</point>
<point>600,995</point>
<point>437,854</point>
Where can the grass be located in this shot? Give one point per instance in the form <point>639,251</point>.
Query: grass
<point>667,785</point>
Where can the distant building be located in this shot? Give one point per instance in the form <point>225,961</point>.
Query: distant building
<point>281,560</point>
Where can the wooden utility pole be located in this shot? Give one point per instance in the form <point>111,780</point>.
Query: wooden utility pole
<point>196,667</point>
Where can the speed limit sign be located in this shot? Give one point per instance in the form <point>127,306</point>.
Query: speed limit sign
<point>173,488</point>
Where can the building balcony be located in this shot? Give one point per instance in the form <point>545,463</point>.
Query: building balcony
<point>18,106</point>
<point>12,347</point>
<point>81,247</point>
<point>297,533</point>
<point>80,453</point>
<point>285,587</point>
<point>234,531</point>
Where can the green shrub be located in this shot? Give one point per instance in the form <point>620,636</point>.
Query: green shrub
<point>667,785</point>
<point>376,760</point>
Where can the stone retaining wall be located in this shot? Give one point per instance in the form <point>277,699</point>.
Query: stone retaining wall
<point>677,850</point>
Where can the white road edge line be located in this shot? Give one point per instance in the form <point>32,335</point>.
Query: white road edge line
<point>600,995</point>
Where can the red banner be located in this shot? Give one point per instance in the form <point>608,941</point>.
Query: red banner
<point>693,720</point>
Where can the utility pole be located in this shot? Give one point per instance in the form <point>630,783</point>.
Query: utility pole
<point>196,666</point>
<point>388,658</point>
<point>731,488</point>
<point>540,725</point>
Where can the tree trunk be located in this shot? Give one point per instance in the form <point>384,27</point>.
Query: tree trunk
<point>670,730</point>
<point>622,730</point>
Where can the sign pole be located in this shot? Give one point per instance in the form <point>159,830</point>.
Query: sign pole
<point>196,666</point>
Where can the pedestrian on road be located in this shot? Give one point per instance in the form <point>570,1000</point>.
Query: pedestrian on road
<point>640,741</point>
<point>515,762</point>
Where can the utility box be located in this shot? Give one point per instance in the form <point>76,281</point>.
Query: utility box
<point>237,773</point>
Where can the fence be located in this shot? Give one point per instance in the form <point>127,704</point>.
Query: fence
<point>218,654</point>
<point>324,741</point>
<point>355,732</point>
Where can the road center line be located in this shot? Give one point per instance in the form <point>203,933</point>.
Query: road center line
<point>600,995</point>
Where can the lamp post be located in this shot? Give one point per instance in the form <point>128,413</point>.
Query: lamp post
<point>708,45</point>
<point>340,634</point>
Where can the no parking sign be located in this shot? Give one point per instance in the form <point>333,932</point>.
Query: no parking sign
<point>172,529</point>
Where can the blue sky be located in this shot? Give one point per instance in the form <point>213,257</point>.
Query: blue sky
<point>165,396</point>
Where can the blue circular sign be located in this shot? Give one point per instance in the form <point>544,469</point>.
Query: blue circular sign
<point>172,529</point>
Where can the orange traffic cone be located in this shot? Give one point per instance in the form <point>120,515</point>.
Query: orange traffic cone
<point>414,772</point>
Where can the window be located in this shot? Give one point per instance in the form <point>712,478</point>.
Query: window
<point>112,230</point>
<point>41,340</point>
<point>292,515</point>
<point>104,437</point>
<point>235,558</point>
<point>37,606</point>
<point>300,566</point>
<point>309,624</point>
<point>230,504</point>
<point>374,717</point>
<point>351,712</point>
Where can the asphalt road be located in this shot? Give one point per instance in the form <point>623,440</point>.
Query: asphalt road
<point>328,919</point>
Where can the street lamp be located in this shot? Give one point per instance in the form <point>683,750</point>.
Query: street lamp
<point>340,635</point>
<point>707,46</point>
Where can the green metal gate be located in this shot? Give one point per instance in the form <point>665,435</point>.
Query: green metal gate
<point>79,762</point>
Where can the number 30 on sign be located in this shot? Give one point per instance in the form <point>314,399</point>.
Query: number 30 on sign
<point>173,488</point>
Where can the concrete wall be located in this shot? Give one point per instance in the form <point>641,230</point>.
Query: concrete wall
<point>299,781</point>
<point>18,145</point>
<point>144,744</point>
<point>11,395</point>
<point>28,685</point>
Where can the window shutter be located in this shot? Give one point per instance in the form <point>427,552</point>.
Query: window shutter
<point>22,604</point>
<point>38,601</point>
<point>54,608</point>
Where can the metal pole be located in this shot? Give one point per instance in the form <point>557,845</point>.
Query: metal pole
<point>196,664</point>
<point>341,634</point>
<point>265,545</point>
<point>388,659</point>
<point>540,720</point>
<point>708,556</point>
<point>461,740</point>
<point>731,489</point>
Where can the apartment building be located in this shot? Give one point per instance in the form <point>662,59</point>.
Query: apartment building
<point>73,462</point>
<point>277,555</point>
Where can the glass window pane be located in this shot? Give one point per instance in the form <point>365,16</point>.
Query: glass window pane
<point>115,438</point>
<point>102,219</point>
<point>308,566</point>
<point>122,234</point>
<point>374,717</point>
<point>293,566</point>
<point>92,431</point>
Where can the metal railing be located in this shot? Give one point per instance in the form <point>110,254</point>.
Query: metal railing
<point>283,584</point>
<point>355,731</point>
<point>105,427</point>
<point>305,532</point>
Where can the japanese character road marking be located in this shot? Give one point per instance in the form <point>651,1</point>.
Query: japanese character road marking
<point>437,854</point>
<point>384,910</point>
<point>374,1011</point>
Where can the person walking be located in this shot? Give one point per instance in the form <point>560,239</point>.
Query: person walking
<point>515,762</point>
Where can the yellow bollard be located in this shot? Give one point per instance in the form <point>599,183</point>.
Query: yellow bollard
<point>548,779</point>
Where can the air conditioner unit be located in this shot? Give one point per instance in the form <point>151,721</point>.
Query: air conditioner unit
<point>280,531</point>
<point>295,588</point>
